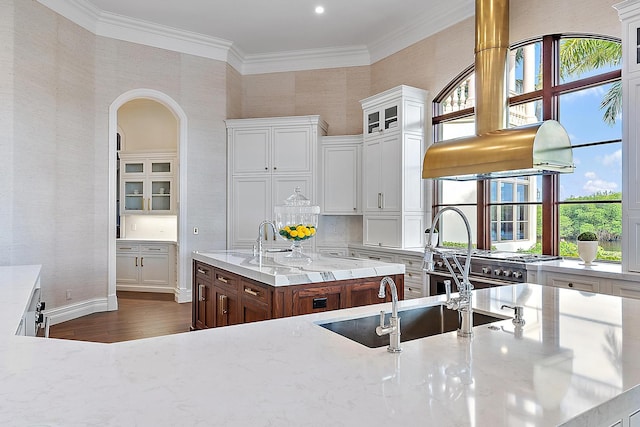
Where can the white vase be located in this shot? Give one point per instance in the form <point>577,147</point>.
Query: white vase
<point>434,239</point>
<point>587,250</point>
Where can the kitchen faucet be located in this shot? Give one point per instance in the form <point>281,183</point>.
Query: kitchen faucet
<point>462,303</point>
<point>393,328</point>
<point>257,248</point>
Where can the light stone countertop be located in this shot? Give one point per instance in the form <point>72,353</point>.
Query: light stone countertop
<point>274,268</point>
<point>146,241</point>
<point>576,351</point>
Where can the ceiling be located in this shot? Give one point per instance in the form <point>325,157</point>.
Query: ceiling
<point>259,29</point>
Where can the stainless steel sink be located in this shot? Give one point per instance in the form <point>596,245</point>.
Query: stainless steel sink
<point>414,323</point>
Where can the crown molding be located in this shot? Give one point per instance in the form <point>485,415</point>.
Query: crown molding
<point>120,27</point>
<point>301,60</point>
<point>426,25</point>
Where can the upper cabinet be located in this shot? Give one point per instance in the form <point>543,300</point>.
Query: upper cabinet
<point>147,183</point>
<point>267,159</point>
<point>393,191</point>
<point>340,175</point>
<point>270,149</point>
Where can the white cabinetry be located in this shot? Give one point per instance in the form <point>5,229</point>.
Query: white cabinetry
<point>393,191</point>
<point>415,280</point>
<point>145,267</point>
<point>630,16</point>
<point>267,159</point>
<point>147,183</point>
<point>340,175</point>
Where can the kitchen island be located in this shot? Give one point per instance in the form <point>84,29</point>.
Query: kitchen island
<point>576,350</point>
<point>238,286</point>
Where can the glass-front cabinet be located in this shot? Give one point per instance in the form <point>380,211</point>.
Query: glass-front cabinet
<point>147,183</point>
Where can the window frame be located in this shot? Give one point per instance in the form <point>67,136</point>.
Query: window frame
<point>549,94</point>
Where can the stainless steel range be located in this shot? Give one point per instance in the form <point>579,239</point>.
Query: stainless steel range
<point>488,268</point>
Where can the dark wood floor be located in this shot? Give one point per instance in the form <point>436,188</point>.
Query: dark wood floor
<point>139,315</point>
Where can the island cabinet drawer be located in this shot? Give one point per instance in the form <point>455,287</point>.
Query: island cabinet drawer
<point>308,300</point>
<point>579,283</point>
<point>253,292</point>
<point>225,280</point>
<point>203,271</point>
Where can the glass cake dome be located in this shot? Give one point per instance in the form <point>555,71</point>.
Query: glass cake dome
<point>297,221</point>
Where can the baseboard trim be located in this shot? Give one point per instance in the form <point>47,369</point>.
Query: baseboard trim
<point>138,288</point>
<point>74,311</point>
<point>182,295</point>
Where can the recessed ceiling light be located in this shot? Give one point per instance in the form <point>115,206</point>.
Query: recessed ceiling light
<point>319,10</point>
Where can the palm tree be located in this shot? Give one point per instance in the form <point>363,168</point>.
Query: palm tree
<point>581,55</point>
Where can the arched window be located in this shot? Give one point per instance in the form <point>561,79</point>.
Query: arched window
<point>574,79</point>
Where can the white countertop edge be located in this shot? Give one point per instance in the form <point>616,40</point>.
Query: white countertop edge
<point>146,241</point>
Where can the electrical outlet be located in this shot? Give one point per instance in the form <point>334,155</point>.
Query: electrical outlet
<point>68,294</point>
<point>195,230</point>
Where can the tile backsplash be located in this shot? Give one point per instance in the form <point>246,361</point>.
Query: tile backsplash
<point>162,227</point>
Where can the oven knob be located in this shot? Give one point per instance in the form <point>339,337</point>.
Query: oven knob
<point>517,275</point>
<point>439,263</point>
<point>506,273</point>
<point>486,270</point>
<point>497,272</point>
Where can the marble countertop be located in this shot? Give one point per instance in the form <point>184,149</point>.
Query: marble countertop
<point>145,240</point>
<point>277,269</point>
<point>569,357</point>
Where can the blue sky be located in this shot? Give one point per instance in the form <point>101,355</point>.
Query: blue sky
<point>597,168</point>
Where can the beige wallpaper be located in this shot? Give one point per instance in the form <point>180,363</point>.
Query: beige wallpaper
<point>147,125</point>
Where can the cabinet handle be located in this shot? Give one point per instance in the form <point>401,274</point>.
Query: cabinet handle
<point>222,279</point>
<point>141,261</point>
<point>153,249</point>
<point>222,305</point>
<point>123,249</point>
<point>252,292</point>
<point>379,205</point>
<point>136,261</point>
<point>274,168</point>
<point>376,258</point>
<point>201,293</point>
<point>201,271</point>
<point>382,200</point>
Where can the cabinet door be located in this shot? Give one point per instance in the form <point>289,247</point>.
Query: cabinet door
<point>366,293</point>
<point>317,299</point>
<point>291,149</point>
<point>249,150</point>
<point>284,186</point>
<point>382,231</point>
<point>161,198</point>
<point>154,269</point>
<point>133,192</point>
<point>127,267</point>
<point>203,310</point>
<point>371,161</point>
<point>340,180</point>
<point>226,305</point>
<point>250,205</point>
<point>390,176</point>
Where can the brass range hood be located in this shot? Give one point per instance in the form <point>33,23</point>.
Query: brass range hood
<point>496,151</point>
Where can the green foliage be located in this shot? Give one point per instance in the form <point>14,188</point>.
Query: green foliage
<point>587,236</point>
<point>603,219</point>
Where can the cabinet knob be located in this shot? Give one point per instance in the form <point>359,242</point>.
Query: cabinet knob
<point>570,285</point>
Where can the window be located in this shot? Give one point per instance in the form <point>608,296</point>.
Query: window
<point>575,80</point>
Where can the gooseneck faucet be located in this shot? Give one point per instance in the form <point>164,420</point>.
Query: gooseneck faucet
<point>257,248</point>
<point>393,328</point>
<point>462,303</point>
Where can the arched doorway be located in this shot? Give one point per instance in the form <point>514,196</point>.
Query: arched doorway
<point>181,293</point>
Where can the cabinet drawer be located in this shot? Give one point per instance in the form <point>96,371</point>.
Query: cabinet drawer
<point>204,272</point>
<point>413,277</point>
<point>578,283</point>
<point>155,249</point>
<point>411,263</point>
<point>253,292</point>
<point>412,291</point>
<point>225,280</point>
<point>373,255</point>
<point>124,248</point>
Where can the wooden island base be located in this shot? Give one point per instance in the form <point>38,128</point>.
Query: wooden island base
<point>222,298</point>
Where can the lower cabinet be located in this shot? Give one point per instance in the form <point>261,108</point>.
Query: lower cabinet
<point>580,283</point>
<point>223,298</point>
<point>145,267</point>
